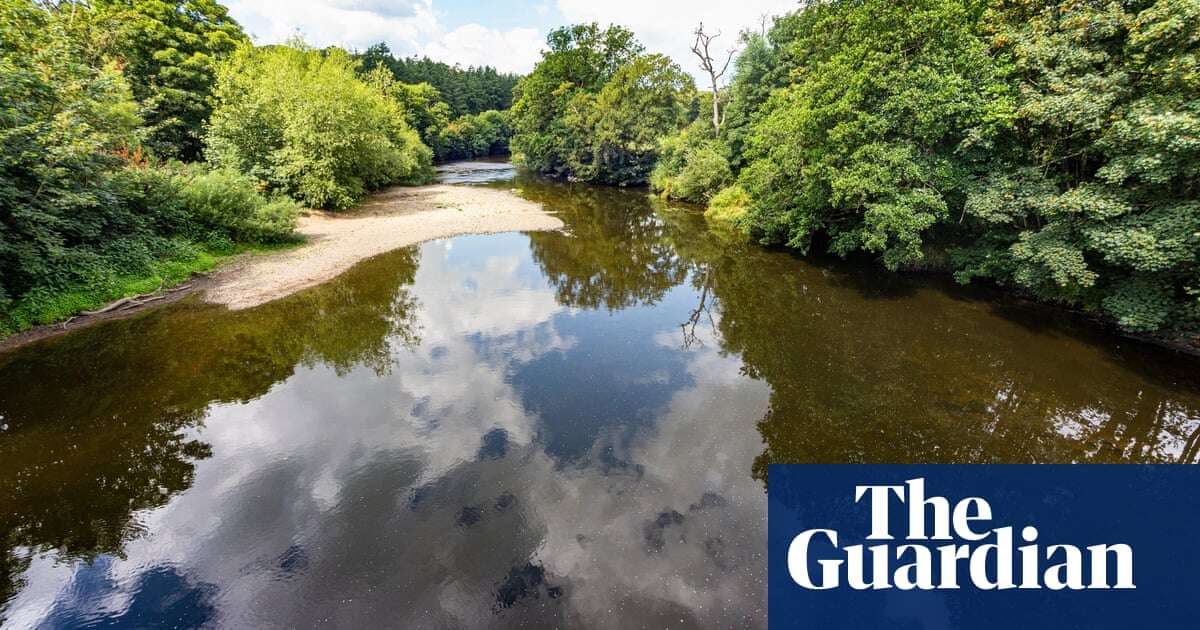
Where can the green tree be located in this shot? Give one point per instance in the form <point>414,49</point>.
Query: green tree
<point>62,121</point>
<point>168,51</point>
<point>692,165</point>
<point>422,105</point>
<point>474,136</point>
<point>869,143</point>
<point>595,107</point>
<point>616,132</point>
<point>470,90</point>
<point>303,123</point>
<point>580,59</point>
<point>1092,196</point>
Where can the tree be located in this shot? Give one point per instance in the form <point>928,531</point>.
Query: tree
<point>62,122</point>
<point>701,49</point>
<point>616,132</point>
<point>474,136</point>
<point>169,50</point>
<point>874,140</point>
<point>303,123</point>
<point>471,90</point>
<point>421,104</point>
<point>1091,198</point>
<point>595,107</point>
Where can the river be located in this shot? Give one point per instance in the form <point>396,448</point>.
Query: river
<point>522,429</point>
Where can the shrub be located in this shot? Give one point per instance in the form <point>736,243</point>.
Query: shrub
<point>229,203</point>
<point>729,206</point>
<point>692,165</point>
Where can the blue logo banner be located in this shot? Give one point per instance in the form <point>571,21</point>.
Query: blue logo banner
<point>984,546</point>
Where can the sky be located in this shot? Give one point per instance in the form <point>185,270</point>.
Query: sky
<point>505,34</point>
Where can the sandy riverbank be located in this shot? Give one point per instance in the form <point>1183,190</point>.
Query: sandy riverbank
<point>389,220</point>
<point>392,219</point>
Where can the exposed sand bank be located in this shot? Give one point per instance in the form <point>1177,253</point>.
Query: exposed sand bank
<point>394,218</point>
<point>389,220</point>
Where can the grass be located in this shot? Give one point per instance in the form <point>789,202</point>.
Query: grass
<point>41,307</point>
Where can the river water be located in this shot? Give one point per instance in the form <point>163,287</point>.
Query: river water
<point>522,429</point>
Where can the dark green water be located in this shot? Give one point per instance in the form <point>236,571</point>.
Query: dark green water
<point>521,429</point>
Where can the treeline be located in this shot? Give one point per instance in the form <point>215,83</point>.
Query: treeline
<point>140,140</point>
<point>1048,146</point>
<point>466,91</point>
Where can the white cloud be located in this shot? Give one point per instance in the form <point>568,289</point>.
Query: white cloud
<point>348,23</point>
<point>407,26</point>
<point>666,26</point>
<point>392,8</point>
<point>514,50</point>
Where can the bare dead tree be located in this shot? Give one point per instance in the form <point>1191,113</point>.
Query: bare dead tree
<point>701,47</point>
<point>690,338</point>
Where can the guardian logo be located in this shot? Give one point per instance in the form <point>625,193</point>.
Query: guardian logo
<point>943,541</point>
<point>983,546</point>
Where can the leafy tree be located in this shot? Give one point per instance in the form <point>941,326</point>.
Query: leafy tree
<point>168,51</point>
<point>421,104</point>
<point>474,136</point>
<point>595,107</point>
<point>1092,196</point>
<point>61,123</point>
<point>692,165</point>
<point>867,144</point>
<point>580,59</point>
<point>617,131</point>
<point>1044,145</point>
<point>83,214</point>
<point>302,122</point>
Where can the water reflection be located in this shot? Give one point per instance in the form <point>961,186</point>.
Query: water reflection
<point>544,429</point>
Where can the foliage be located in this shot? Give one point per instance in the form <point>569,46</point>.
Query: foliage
<point>168,51</point>
<point>1046,145</point>
<point>581,59</point>
<point>1092,197</point>
<point>83,216</point>
<point>692,165</point>
<point>867,145</point>
<point>595,107</point>
<point>728,206</point>
<point>421,104</point>
<point>227,205</point>
<point>487,133</point>
<point>473,90</point>
<point>61,122</point>
<point>302,122</point>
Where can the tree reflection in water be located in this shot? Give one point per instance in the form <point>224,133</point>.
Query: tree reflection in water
<point>100,429</point>
<point>562,424</point>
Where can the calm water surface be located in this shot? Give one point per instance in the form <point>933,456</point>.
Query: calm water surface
<point>521,429</point>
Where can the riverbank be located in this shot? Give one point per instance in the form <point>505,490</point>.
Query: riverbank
<point>334,242</point>
<point>392,219</point>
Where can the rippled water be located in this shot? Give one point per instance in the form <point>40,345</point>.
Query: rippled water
<point>521,429</point>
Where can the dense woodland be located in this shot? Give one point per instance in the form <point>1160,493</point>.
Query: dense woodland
<point>142,140</point>
<point>466,90</point>
<point>1052,147</point>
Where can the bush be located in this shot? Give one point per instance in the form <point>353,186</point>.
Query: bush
<point>729,206</point>
<point>692,165</point>
<point>229,204</point>
<point>301,121</point>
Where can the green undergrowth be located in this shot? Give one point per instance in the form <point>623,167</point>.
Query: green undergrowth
<point>50,306</point>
